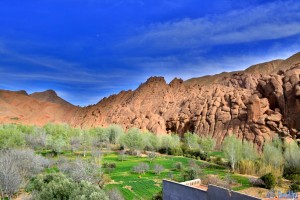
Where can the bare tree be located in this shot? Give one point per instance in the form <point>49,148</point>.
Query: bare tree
<point>75,143</point>
<point>115,194</point>
<point>141,168</point>
<point>16,168</point>
<point>158,169</point>
<point>80,170</point>
<point>10,178</point>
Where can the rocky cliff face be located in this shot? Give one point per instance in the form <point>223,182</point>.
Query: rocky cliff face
<point>256,104</point>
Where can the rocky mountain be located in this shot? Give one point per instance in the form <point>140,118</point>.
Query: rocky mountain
<point>255,104</point>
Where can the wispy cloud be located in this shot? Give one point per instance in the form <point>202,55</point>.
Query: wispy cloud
<point>186,68</point>
<point>264,22</point>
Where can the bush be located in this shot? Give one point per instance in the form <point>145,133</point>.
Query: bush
<point>295,187</point>
<point>58,186</point>
<point>178,166</point>
<point>269,180</point>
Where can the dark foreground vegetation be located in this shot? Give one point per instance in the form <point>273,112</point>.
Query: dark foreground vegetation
<point>60,162</point>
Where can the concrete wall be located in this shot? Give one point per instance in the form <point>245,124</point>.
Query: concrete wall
<point>176,191</point>
<point>237,196</point>
<point>180,191</point>
<point>217,193</point>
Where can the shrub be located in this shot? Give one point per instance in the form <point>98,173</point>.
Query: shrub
<point>176,151</point>
<point>190,174</point>
<point>269,180</point>
<point>58,186</point>
<point>178,166</point>
<point>295,187</point>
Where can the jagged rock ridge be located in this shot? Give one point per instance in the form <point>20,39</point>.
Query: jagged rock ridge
<point>256,104</point>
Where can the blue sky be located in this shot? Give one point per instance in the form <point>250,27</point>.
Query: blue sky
<point>88,49</point>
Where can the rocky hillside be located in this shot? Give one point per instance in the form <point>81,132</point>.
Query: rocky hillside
<point>256,104</point>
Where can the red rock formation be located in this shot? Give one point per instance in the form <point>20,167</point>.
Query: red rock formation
<point>256,104</point>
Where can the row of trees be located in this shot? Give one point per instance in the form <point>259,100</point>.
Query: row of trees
<point>62,137</point>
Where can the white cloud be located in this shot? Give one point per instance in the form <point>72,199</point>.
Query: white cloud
<point>268,21</point>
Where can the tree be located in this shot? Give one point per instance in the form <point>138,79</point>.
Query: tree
<point>158,169</point>
<point>100,137</point>
<point>141,168</point>
<point>122,155</point>
<point>85,141</point>
<point>249,151</point>
<point>16,168</point>
<point>169,142</point>
<point>133,140</point>
<point>10,178</point>
<point>114,133</point>
<point>207,143</point>
<point>292,156</point>
<point>36,140</point>
<point>115,194</point>
<point>272,154</point>
<point>80,170</point>
<point>11,136</point>
<point>56,144</point>
<point>58,186</point>
<point>191,140</point>
<point>232,148</point>
<point>151,141</point>
<point>75,143</point>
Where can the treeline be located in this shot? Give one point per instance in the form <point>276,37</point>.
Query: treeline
<point>277,157</point>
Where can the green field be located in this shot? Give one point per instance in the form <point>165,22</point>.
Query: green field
<point>136,186</point>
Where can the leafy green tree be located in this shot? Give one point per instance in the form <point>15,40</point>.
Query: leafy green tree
<point>114,133</point>
<point>272,154</point>
<point>249,151</point>
<point>151,141</point>
<point>166,142</point>
<point>292,155</point>
<point>133,140</point>
<point>207,143</point>
<point>56,143</point>
<point>100,137</point>
<point>191,140</point>
<point>232,148</point>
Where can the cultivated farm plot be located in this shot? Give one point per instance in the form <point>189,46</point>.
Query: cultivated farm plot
<point>144,186</point>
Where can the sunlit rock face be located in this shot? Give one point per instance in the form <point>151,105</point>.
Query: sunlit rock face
<point>256,104</point>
